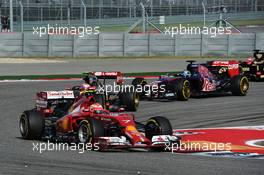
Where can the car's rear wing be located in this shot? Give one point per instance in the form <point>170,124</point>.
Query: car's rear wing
<point>232,66</point>
<point>222,63</point>
<point>115,75</point>
<point>45,98</point>
<point>55,95</point>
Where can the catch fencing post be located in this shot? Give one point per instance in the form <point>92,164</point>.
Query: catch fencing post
<point>23,44</point>
<point>49,46</point>
<point>73,46</point>
<point>21,16</point>
<point>202,49</point>
<point>100,44</point>
<point>149,44</point>
<point>11,14</point>
<point>84,11</point>
<point>228,46</point>
<point>175,46</point>
<point>124,43</point>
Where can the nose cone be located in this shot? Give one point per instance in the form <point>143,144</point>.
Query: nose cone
<point>137,137</point>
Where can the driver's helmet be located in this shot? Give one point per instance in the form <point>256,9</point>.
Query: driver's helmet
<point>91,80</point>
<point>258,55</point>
<point>96,108</point>
<point>186,74</point>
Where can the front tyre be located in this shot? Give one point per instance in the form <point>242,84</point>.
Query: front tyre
<point>158,126</point>
<point>239,85</point>
<point>88,130</point>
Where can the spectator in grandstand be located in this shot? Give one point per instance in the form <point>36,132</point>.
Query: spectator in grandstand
<point>5,24</point>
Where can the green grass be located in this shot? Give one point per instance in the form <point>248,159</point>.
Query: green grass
<point>235,22</point>
<point>35,77</point>
<point>248,22</point>
<point>123,28</point>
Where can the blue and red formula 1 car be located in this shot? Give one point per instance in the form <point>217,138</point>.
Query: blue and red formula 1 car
<point>170,87</point>
<point>217,77</point>
<point>212,77</point>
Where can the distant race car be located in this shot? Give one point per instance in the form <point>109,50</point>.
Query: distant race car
<point>95,82</point>
<point>170,87</point>
<point>254,67</point>
<point>202,79</point>
<point>87,122</point>
<point>216,77</point>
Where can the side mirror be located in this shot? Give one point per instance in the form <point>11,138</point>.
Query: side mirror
<point>115,108</point>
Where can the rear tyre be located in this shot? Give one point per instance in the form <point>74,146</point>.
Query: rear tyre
<point>31,125</point>
<point>130,100</point>
<point>142,82</point>
<point>138,81</point>
<point>182,89</point>
<point>88,130</point>
<point>239,85</point>
<point>158,126</point>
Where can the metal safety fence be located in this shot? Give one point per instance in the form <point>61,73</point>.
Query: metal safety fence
<point>76,11</point>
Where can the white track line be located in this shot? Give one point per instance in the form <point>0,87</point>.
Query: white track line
<point>66,79</point>
<point>259,127</point>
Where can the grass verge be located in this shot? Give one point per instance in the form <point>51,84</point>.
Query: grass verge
<point>123,28</point>
<point>68,76</point>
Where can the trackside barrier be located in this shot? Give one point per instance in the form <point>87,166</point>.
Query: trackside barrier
<point>115,44</point>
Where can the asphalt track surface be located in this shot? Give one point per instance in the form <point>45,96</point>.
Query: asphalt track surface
<point>77,66</point>
<point>17,156</point>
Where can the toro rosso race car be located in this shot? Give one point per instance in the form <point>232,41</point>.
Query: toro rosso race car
<point>216,77</point>
<point>168,87</point>
<point>254,67</point>
<point>96,83</point>
<point>201,79</point>
<point>87,122</point>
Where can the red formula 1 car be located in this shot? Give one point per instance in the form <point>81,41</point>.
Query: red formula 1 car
<point>87,122</point>
<point>216,77</point>
<point>254,67</point>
